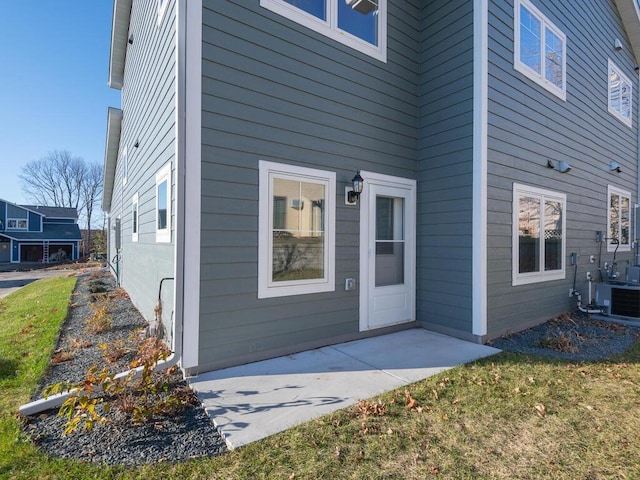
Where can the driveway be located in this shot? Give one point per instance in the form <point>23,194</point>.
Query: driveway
<point>12,281</point>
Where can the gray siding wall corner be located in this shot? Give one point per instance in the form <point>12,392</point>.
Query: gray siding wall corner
<point>445,168</point>
<point>148,105</point>
<point>528,126</point>
<point>277,91</point>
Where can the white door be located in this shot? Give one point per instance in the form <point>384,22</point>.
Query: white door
<point>387,251</point>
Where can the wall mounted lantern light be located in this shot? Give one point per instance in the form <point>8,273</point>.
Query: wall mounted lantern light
<point>614,167</point>
<point>562,167</point>
<point>357,182</point>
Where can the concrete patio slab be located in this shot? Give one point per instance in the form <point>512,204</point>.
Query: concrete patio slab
<point>251,402</point>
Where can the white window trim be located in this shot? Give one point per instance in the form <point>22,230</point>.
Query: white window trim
<point>329,28</point>
<point>125,165</point>
<point>164,235</point>
<point>266,287</point>
<point>628,121</point>
<point>17,220</point>
<point>162,8</point>
<point>541,276</point>
<point>135,217</point>
<point>623,193</point>
<point>523,68</point>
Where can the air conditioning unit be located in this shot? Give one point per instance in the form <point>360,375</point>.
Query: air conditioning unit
<point>297,203</point>
<point>363,6</point>
<point>620,300</point>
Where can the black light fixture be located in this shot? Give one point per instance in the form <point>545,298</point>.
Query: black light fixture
<point>357,182</point>
<point>130,39</point>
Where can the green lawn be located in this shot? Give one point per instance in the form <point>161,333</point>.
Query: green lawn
<point>505,417</point>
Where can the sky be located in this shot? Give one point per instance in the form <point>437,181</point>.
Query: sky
<point>54,64</point>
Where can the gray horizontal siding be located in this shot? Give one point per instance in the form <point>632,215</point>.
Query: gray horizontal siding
<point>445,168</point>
<point>148,105</point>
<point>274,90</point>
<point>528,126</point>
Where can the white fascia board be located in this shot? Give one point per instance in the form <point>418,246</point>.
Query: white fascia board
<point>119,34</point>
<point>630,13</point>
<point>112,145</point>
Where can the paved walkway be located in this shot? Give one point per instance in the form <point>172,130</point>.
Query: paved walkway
<point>250,402</point>
<point>12,281</point>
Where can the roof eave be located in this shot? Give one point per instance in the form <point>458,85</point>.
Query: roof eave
<point>119,32</point>
<point>112,144</point>
<point>630,12</point>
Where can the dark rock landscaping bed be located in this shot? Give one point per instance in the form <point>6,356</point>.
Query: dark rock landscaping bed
<point>574,337</point>
<point>182,433</point>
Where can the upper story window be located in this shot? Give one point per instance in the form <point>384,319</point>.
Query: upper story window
<point>163,204</point>
<point>540,50</point>
<point>538,235</point>
<point>620,94</point>
<point>17,224</point>
<point>296,251</point>
<point>359,24</point>
<point>618,220</point>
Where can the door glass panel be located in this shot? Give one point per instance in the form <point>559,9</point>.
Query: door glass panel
<point>389,241</point>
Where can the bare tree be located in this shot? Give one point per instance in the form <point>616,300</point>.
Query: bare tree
<point>54,180</point>
<point>91,192</point>
<point>62,180</point>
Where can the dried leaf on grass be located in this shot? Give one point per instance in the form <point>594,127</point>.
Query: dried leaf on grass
<point>365,408</point>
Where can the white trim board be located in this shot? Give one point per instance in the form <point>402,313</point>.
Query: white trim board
<point>480,106</point>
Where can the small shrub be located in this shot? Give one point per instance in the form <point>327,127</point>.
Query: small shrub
<point>61,356</point>
<point>78,344</point>
<point>100,321</point>
<point>65,354</point>
<point>119,293</point>
<point>115,350</point>
<point>141,397</point>
<point>560,342</point>
<point>98,286</point>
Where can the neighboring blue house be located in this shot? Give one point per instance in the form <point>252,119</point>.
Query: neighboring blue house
<point>38,234</point>
<point>497,143</point>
